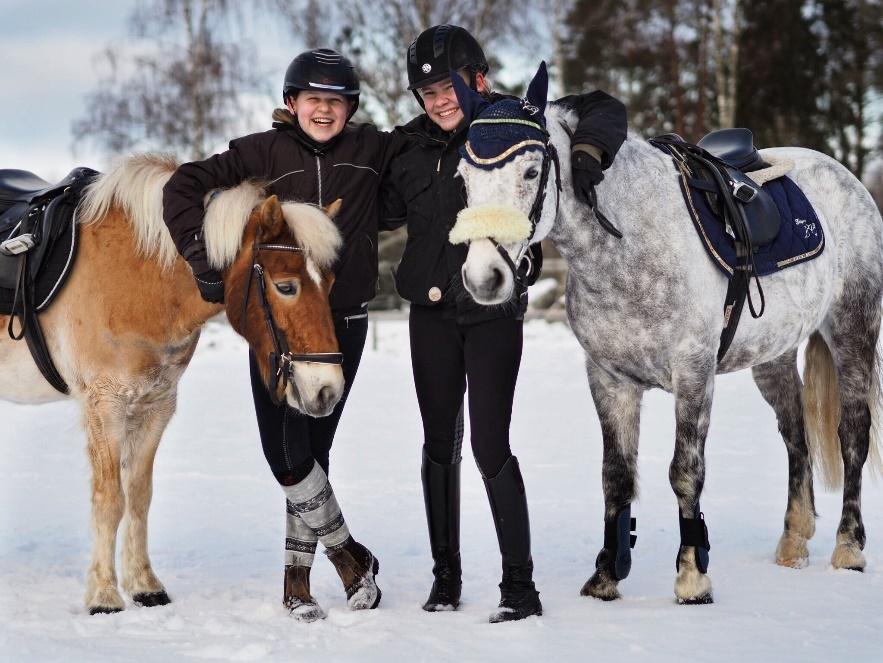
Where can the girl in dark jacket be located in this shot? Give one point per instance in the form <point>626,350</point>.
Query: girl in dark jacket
<point>454,341</point>
<point>312,155</point>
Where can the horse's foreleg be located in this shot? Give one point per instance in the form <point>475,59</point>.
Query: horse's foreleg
<point>853,347</point>
<point>693,393</point>
<point>146,429</point>
<point>105,429</point>
<point>780,385</point>
<point>618,405</point>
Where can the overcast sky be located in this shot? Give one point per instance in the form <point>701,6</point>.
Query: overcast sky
<point>46,67</point>
<point>48,55</point>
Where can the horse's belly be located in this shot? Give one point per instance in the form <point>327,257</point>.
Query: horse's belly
<point>797,301</point>
<point>20,379</point>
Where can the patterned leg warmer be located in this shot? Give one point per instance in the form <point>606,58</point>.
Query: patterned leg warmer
<point>313,500</point>
<point>300,540</point>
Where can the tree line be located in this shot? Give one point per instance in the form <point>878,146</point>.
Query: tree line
<point>797,72</point>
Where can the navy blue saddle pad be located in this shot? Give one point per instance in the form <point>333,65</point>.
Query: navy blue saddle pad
<point>800,237</point>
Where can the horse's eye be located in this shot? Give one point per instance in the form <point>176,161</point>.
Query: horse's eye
<point>531,173</point>
<point>287,288</point>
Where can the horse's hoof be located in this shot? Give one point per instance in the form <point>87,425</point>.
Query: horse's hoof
<point>600,587</point>
<point>702,599</point>
<point>848,556</point>
<point>103,610</point>
<point>151,599</point>
<point>798,563</point>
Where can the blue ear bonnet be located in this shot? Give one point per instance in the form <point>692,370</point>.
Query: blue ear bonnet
<point>499,132</point>
<point>502,131</point>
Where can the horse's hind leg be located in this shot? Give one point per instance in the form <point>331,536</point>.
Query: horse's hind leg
<point>853,343</point>
<point>780,385</point>
<point>105,429</point>
<point>693,390</point>
<point>618,405</point>
<point>146,427</point>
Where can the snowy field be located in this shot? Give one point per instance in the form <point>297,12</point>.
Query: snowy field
<point>217,533</point>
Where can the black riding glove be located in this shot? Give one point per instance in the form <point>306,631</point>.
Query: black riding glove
<point>586,172</point>
<point>211,286</point>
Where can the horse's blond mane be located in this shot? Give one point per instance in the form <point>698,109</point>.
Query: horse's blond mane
<point>136,184</point>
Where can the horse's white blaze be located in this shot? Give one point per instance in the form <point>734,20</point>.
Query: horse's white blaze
<point>317,388</point>
<point>314,272</point>
<point>486,275</point>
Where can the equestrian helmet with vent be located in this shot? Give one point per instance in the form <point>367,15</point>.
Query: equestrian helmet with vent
<point>440,49</point>
<point>323,70</point>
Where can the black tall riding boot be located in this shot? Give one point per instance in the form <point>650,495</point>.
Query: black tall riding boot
<point>441,493</point>
<point>518,595</point>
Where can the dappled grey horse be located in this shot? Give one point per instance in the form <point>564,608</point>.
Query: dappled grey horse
<point>646,308</point>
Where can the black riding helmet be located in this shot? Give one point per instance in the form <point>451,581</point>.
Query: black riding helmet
<point>440,49</point>
<point>322,70</point>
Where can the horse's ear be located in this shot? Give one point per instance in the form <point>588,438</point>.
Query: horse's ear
<point>538,89</point>
<point>272,219</point>
<point>471,103</point>
<point>333,209</point>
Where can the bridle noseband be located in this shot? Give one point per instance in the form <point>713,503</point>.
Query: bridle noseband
<point>281,359</point>
<point>550,157</point>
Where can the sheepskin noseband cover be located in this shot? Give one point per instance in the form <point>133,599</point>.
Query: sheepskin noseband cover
<point>503,223</point>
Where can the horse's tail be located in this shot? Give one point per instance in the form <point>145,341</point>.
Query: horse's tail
<point>821,402</point>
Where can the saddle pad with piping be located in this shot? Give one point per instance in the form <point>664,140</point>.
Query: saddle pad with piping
<point>57,260</point>
<point>800,237</point>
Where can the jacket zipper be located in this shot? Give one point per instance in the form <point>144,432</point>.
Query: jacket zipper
<point>319,177</point>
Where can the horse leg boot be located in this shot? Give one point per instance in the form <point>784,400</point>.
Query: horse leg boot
<point>781,387</point>
<point>518,595</point>
<point>300,549</point>
<point>618,407</point>
<point>441,493</point>
<point>693,395</point>
<point>314,501</point>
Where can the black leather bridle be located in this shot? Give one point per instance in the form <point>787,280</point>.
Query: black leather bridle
<point>522,266</point>
<point>281,359</point>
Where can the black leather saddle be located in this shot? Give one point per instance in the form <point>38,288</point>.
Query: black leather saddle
<point>716,166</point>
<point>735,147</point>
<point>37,247</point>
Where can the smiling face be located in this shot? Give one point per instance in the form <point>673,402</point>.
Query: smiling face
<point>440,101</point>
<point>322,115</point>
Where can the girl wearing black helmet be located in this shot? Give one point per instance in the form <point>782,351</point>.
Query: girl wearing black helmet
<point>455,341</point>
<point>311,154</point>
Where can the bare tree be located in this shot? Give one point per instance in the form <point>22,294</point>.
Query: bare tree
<point>184,93</point>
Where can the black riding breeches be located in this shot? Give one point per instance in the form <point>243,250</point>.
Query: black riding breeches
<point>291,440</point>
<point>446,356</point>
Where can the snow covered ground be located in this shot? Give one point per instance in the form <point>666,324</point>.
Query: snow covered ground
<point>217,532</point>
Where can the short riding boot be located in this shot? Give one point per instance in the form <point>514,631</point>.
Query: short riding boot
<point>301,605</point>
<point>441,494</point>
<point>518,595</point>
<point>356,567</point>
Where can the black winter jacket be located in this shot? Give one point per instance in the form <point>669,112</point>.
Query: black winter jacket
<point>297,168</point>
<point>422,191</point>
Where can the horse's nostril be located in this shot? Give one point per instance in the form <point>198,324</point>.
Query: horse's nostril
<point>496,279</point>
<point>324,398</point>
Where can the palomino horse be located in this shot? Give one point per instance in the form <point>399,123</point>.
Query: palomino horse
<point>646,309</point>
<point>126,324</point>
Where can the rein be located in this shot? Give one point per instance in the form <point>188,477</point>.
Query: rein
<point>281,359</point>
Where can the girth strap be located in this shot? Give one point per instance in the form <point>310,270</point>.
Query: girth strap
<point>30,329</point>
